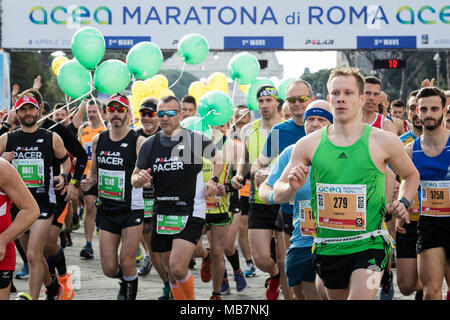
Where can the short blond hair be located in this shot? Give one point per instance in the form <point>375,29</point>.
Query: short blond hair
<point>348,72</point>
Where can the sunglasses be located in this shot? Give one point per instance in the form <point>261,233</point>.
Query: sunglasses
<point>301,99</point>
<point>169,113</point>
<point>120,109</point>
<point>147,113</point>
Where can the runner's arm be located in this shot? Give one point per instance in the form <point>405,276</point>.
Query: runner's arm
<point>296,172</point>
<point>60,153</point>
<point>13,186</point>
<point>77,119</point>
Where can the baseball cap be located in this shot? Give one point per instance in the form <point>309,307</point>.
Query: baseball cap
<point>26,100</point>
<point>149,104</point>
<point>120,99</point>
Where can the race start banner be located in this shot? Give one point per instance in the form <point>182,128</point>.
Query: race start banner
<point>232,24</point>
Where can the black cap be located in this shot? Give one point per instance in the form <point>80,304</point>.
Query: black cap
<point>149,104</point>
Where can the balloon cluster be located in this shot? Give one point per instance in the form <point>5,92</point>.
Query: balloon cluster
<point>81,75</point>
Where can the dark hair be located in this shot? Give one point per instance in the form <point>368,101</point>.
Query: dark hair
<point>59,105</point>
<point>189,99</point>
<point>431,92</point>
<point>241,106</point>
<point>47,107</point>
<point>167,99</point>
<point>372,80</point>
<point>398,103</point>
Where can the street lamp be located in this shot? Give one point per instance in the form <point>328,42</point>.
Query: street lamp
<point>437,59</point>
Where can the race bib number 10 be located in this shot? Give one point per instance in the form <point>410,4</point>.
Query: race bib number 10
<point>307,221</point>
<point>341,206</point>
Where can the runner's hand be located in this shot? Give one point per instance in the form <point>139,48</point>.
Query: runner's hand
<point>297,176</point>
<point>397,209</point>
<point>72,192</point>
<point>58,182</point>
<point>85,184</point>
<point>261,176</point>
<point>237,181</point>
<point>221,191</point>
<point>8,156</point>
<point>210,189</point>
<point>144,177</point>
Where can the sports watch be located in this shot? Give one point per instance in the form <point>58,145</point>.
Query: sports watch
<point>75,182</point>
<point>405,202</point>
<point>215,179</point>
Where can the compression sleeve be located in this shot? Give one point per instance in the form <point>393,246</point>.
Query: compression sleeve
<point>72,145</point>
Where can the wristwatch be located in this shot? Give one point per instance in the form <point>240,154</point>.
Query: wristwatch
<point>405,202</point>
<point>75,182</point>
<point>215,179</point>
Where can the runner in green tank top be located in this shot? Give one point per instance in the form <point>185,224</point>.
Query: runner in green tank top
<point>261,217</point>
<point>348,163</point>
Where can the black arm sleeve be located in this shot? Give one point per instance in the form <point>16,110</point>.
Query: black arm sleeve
<point>3,130</point>
<point>72,145</point>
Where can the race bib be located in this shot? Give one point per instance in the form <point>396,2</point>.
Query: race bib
<point>307,221</point>
<point>435,198</point>
<point>88,147</point>
<point>341,206</point>
<point>111,184</point>
<point>31,171</point>
<point>170,225</point>
<point>148,207</point>
<point>213,202</point>
<point>414,209</point>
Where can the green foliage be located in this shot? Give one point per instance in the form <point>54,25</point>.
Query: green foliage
<point>318,81</point>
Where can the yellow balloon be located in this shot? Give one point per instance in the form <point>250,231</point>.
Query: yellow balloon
<point>166,92</point>
<point>131,100</point>
<point>140,88</point>
<point>218,81</point>
<point>161,80</point>
<point>197,89</point>
<point>155,88</point>
<point>57,63</point>
<point>244,87</point>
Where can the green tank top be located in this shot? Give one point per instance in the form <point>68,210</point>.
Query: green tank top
<point>216,204</point>
<point>349,197</point>
<point>255,147</point>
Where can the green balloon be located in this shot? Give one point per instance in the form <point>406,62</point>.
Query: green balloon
<point>283,86</point>
<point>245,67</point>
<point>193,48</point>
<point>144,60</point>
<point>215,108</point>
<point>252,101</point>
<point>74,79</point>
<point>111,76</point>
<point>88,46</point>
<point>197,124</point>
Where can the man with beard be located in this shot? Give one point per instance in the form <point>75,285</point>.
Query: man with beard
<point>262,217</point>
<point>36,151</point>
<point>85,134</point>
<point>150,126</point>
<point>12,190</point>
<point>299,95</point>
<point>121,206</point>
<point>407,274</point>
<point>430,153</point>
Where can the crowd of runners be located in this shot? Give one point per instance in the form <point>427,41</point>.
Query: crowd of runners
<point>325,196</point>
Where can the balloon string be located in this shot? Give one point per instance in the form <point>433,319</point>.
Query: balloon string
<point>176,81</point>
<point>95,101</point>
<point>214,111</point>
<point>70,114</point>
<point>234,88</point>
<point>69,103</point>
<point>245,113</point>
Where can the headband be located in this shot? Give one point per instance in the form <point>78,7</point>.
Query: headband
<point>267,91</point>
<point>318,112</point>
